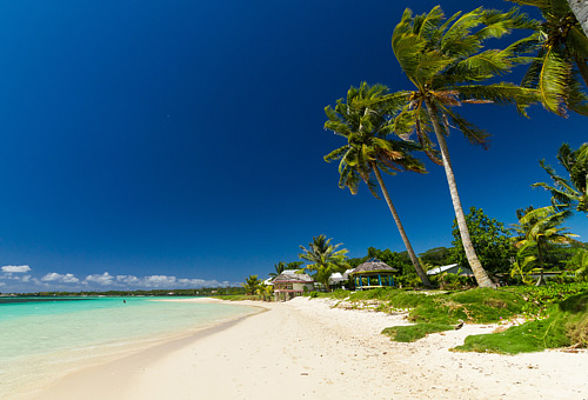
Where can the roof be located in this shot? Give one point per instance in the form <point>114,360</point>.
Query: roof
<point>292,276</point>
<point>372,266</point>
<point>444,268</point>
<point>336,277</point>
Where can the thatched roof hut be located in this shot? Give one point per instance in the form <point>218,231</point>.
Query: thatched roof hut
<point>373,267</point>
<point>373,273</point>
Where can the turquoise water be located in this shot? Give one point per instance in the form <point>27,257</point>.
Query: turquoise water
<point>44,337</point>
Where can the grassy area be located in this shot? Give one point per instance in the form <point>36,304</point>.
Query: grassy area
<point>558,314</point>
<point>411,333</point>
<point>566,324</point>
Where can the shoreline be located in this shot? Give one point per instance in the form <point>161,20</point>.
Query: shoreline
<point>149,345</point>
<point>307,349</point>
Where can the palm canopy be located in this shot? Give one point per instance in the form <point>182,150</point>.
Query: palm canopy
<point>562,53</point>
<point>567,193</point>
<point>446,61</point>
<point>323,257</point>
<point>279,268</point>
<point>363,120</point>
<point>540,227</point>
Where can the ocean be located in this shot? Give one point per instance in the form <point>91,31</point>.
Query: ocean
<point>42,339</point>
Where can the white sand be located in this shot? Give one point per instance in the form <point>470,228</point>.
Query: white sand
<point>304,349</point>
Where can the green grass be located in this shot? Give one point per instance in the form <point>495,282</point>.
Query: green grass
<point>566,324</point>
<point>558,313</point>
<point>412,333</point>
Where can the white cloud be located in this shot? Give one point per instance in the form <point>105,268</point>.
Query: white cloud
<point>16,269</point>
<point>128,279</point>
<point>63,278</point>
<point>104,279</point>
<point>159,280</point>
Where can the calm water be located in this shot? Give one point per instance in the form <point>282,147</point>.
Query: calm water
<point>43,338</point>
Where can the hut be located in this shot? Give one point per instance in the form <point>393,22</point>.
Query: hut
<point>291,283</point>
<point>373,274</point>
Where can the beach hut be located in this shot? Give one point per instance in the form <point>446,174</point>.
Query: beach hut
<point>450,269</point>
<point>373,274</point>
<point>291,283</point>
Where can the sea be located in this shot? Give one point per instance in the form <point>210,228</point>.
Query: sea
<point>42,339</point>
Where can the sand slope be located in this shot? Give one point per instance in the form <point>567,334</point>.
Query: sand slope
<point>307,350</point>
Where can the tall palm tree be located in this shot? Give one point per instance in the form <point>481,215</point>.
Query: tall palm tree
<point>324,258</point>
<point>562,55</point>
<point>573,191</point>
<point>366,127</point>
<point>445,60</point>
<point>538,228</point>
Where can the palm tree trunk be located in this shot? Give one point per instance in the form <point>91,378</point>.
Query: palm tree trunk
<point>580,10</point>
<point>411,254</point>
<point>479,272</point>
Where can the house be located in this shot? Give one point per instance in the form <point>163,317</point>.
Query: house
<point>291,283</point>
<point>451,269</point>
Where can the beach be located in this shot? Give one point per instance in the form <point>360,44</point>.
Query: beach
<point>305,349</point>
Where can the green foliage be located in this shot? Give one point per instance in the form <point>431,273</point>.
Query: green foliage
<point>491,241</point>
<point>324,258</point>
<point>252,284</point>
<point>561,49</point>
<point>412,333</point>
<point>279,268</point>
<point>438,256</point>
<point>538,231</point>
<point>449,281</point>
<point>566,324</point>
<point>573,191</point>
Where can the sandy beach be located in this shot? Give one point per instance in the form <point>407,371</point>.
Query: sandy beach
<point>305,349</point>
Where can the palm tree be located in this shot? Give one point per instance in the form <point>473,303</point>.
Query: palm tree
<point>251,284</point>
<point>562,56</point>
<point>279,268</point>
<point>366,127</point>
<point>324,258</point>
<point>538,228</point>
<point>445,60</point>
<point>567,192</point>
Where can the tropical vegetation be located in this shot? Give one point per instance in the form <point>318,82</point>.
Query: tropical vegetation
<point>362,121</point>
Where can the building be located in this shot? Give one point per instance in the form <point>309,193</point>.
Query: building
<point>291,283</point>
<point>450,269</point>
<point>373,274</point>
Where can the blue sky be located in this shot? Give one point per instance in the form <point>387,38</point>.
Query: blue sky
<point>162,141</point>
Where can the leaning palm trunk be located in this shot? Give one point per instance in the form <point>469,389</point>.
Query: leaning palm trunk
<point>479,272</point>
<point>411,254</point>
<point>580,10</point>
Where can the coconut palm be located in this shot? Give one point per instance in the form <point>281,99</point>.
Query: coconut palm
<point>572,192</point>
<point>252,283</point>
<point>445,60</point>
<point>538,228</point>
<point>561,58</point>
<point>366,127</point>
<point>324,258</point>
<point>279,268</point>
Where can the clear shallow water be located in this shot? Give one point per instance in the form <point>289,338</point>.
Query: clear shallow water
<point>39,339</point>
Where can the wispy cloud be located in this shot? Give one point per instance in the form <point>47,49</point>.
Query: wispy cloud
<point>15,278</point>
<point>16,269</point>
